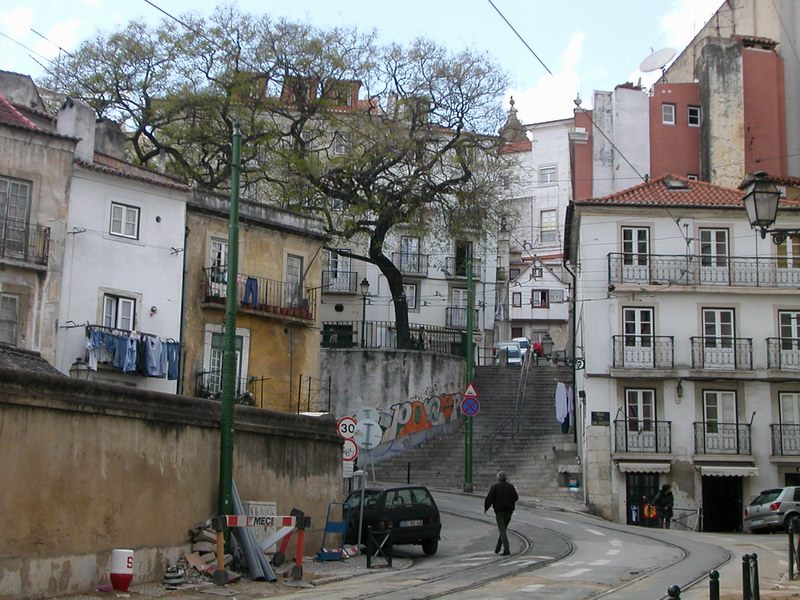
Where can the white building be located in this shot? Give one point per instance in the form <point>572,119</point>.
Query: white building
<point>123,273</point>
<point>690,324</point>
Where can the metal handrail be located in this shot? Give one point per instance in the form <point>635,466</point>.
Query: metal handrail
<point>519,405</point>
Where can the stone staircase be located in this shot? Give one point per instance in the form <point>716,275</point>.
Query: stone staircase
<point>530,449</point>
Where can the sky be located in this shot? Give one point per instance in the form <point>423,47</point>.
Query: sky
<point>587,45</point>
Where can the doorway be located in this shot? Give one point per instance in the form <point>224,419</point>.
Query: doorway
<point>640,488</point>
<point>722,504</point>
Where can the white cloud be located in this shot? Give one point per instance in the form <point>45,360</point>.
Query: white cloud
<point>685,19</point>
<point>17,22</point>
<point>93,4</point>
<point>551,97</point>
<point>63,34</point>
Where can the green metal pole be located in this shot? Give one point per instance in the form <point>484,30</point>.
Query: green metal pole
<point>470,372</point>
<point>229,355</point>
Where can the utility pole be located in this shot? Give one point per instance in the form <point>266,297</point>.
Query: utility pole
<point>470,372</point>
<point>229,355</point>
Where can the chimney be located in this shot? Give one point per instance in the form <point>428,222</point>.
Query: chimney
<point>76,119</point>
<point>109,138</point>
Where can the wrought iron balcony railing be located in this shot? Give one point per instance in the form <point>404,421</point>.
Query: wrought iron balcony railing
<point>723,353</point>
<point>643,435</point>
<point>712,270</point>
<point>643,352</point>
<point>411,264</point>
<point>456,316</point>
<point>711,437</point>
<point>339,282</point>
<point>208,384</point>
<point>456,267</point>
<point>383,334</point>
<point>785,439</point>
<point>20,241</point>
<point>261,295</point>
<point>783,353</point>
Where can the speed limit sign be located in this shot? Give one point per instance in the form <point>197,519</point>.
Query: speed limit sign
<point>346,427</point>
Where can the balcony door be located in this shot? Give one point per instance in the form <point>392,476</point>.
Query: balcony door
<point>636,254</point>
<point>338,272</point>
<point>789,434</point>
<point>293,291</point>
<point>640,411</point>
<point>217,262</point>
<point>14,215</point>
<point>714,257</point>
<point>409,255</point>
<point>719,348</point>
<point>638,337</point>
<point>789,323</point>
<point>788,263</point>
<point>721,429</point>
<point>459,307</point>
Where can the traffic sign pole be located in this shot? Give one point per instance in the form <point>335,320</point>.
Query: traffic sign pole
<point>470,374</point>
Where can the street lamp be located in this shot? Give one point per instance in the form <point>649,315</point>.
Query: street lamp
<point>761,203</point>
<point>364,293</point>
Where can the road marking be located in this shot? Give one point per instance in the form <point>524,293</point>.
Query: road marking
<point>522,562</point>
<point>575,573</point>
<point>612,552</point>
<point>595,532</point>
<point>556,521</point>
<point>616,542</point>
<point>599,563</point>
<point>532,588</point>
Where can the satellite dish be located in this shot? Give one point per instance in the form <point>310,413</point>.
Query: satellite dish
<point>657,60</point>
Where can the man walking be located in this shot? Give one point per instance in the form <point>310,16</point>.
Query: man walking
<point>502,496</point>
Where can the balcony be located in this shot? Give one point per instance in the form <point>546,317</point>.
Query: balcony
<point>455,267</point>
<point>259,295</point>
<point>722,353</point>
<point>27,243</point>
<point>248,390</point>
<point>783,353</point>
<point>711,437</point>
<point>718,271</point>
<point>456,316</point>
<point>339,282</point>
<point>785,440</point>
<point>643,352</point>
<point>413,265</point>
<point>643,435</point>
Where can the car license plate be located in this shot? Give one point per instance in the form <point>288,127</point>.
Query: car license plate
<point>411,523</point>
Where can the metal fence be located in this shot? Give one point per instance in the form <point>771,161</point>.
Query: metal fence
<point>642,435</point>
<point>383,334</point>
<point>711,437</point>
<point>20,241</point>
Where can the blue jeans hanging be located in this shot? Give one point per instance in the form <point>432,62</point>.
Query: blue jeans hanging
<point>251,292</point>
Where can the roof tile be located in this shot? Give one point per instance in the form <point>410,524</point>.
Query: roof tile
<point>9,115</point>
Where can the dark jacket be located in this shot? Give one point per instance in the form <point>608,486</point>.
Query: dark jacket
<point>502,495</point>
<point>664,501</point>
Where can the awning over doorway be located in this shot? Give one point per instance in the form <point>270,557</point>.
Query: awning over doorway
<point>640,467</point>
<point>729,471</point>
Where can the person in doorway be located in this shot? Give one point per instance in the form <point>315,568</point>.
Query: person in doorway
<point>502,497</point>
<point>664,502</point>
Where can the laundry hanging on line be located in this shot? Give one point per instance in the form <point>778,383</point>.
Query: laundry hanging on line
<point>132,352</point>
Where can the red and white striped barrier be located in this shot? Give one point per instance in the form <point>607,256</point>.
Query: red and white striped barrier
<point>263,521</point>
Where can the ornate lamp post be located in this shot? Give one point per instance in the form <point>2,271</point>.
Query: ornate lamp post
<point>364,293</point>
<point>761,203</point>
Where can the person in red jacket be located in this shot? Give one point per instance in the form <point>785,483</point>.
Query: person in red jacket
<point>503,497</point>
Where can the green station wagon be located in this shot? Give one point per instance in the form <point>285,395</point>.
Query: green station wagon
<point>408,509</point>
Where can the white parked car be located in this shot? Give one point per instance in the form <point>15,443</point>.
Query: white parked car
<point>512,351</point>
<point>524,344</point>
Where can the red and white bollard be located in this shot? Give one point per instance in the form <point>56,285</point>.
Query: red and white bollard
<point>121,569</point>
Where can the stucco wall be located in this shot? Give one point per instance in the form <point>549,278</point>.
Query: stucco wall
<point>89,467</point>
<point>413,394</point>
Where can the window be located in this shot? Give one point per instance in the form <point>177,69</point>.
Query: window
<point>556,296</point>
<point>537,272</point>
<point>9,319</point>
<point>548,226</point>
<point>668,114</point>
<point>214,376</point>
<point>548,174</point>
<point>293,292</point>
<point>789,324</point>
<point>410,290</point>
<point>693,117</point>
<point>719,408</point>
<point>409,254</point>
<point>513,273</point>
<point>15,200</point>
<point>119,312</point>
<point>692,177</point>
<point>790,408</point>
<point>789,253</point>
<point>124,220</point>
<point>540,298</point>
<point>463,250</point>
<point>516,299</point>
<point>341,142</point>
<point>714,247</point>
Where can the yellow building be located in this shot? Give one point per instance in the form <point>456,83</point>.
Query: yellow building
<point>277,297</point>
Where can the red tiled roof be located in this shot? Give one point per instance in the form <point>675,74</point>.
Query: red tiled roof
<point>114,166</point>
<point>9,115</point>
<point>684,192</point>
<point>514,147</point>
